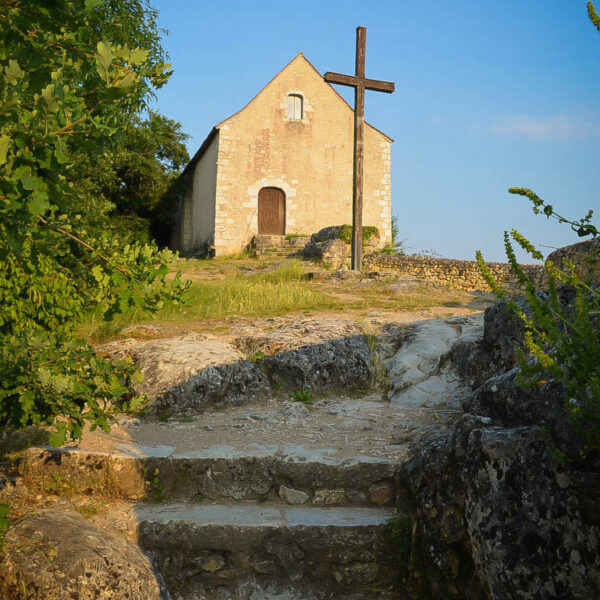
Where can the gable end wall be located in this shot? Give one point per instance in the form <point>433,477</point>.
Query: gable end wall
<point>310,160</point>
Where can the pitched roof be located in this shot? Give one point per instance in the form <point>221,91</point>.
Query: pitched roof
<point>209,138</point>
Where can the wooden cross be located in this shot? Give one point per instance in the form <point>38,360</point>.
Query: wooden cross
<point>360,83</point>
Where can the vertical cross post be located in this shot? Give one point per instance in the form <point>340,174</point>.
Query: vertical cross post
<point>360,83</point>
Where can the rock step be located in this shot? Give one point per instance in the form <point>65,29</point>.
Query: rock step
<point>249,552</point>
<point>292,474</point>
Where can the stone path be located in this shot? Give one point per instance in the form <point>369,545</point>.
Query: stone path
<point>257,496</point>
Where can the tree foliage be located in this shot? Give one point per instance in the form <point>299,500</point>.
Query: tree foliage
<point>126,185</point>
<point>72,75</point>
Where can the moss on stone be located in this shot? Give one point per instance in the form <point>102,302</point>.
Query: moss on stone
<point>345,233</point>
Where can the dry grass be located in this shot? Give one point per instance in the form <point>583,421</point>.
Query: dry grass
<point>225,288</point>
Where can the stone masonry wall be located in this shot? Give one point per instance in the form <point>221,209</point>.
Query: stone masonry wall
<point>459,274</point>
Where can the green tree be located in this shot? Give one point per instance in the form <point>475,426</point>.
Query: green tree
<point>71,76</point>
<point>127,183</point>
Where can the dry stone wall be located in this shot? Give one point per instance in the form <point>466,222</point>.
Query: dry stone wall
<point>459,274</point>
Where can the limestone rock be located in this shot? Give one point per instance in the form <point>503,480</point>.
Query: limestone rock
<point>374,242</point>
<point>55,555</point>
<point>381,492</point>
<point>329,497</point>
<point>334,252</point>
<point>584,255</point>
<point>299,241</point>
<point>421,372</point>
<point>294,412</point>
<point>343,363</point>
<point>349,424</point>
<point>296,333</point>
<point>500,515</point>
<point>317,354</point>
<point>186,374</point>
<point>327,233</point>
<point>292,496</point>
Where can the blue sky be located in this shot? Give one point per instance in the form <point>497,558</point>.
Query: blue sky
<point>489,94</point>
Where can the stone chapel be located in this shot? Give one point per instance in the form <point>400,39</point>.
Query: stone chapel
<point>281,165</point>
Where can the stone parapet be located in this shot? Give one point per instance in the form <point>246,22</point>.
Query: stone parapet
<point>459,274</point>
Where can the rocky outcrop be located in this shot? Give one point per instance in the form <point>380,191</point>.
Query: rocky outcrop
<point>506,502</point>
<point>320,354</point>
<point>420,372</point>
<point>294,334</point>
<point>585,256</point>
<point>53,555</point>
<point>187,374</point>
<point>339,364</point>
<point>332,252</point>
<point>326,246</point>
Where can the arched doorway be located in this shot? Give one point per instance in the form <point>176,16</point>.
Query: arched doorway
<point>271,211</point>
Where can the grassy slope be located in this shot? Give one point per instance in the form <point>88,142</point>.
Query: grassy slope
<point>245,287</point>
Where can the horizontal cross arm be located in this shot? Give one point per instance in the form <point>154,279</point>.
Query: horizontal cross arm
<point>379,86</point>
<point>349,80</point>
<point>352,81</point>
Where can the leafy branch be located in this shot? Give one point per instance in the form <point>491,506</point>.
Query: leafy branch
<point>66,93</point>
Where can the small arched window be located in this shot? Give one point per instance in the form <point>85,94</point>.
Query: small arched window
<point>295,107</point>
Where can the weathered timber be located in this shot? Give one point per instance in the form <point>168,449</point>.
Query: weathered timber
<point>360,83</point>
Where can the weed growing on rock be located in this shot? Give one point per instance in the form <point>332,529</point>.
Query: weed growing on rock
<point>304,396</point>
<point>402,532</point>
<point>257,357</point>
<point>156,491</point>
<point>379,376</point>
<point>87,510</point>
<point>164,414</point>
<point>4,522</point>
<point>368,231</point>
<point>562,326</point>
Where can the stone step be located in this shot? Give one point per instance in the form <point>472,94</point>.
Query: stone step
<point>252,552</point>
<point>292,474</point>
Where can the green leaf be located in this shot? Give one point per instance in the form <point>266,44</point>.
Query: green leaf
<point>9,103</point>
<point>137,56</point>
<point>13,71</point>
<point>90,5</point>
<point>38,203</point>
<point>27,402</point>
<point>28,180</point>
<point>128,81</point>
<point>138,377</point>
<point>59,437</point>
<point>4,146</point>
<point>58,152</point>
<point>104,59</point>
<point>49,98</point>
<point>98,273</point>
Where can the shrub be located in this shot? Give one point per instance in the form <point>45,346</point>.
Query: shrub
<point>368,231</point>
<point>562,326</point>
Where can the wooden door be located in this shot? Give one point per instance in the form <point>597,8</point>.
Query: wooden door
<point>271,211</point>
